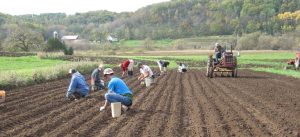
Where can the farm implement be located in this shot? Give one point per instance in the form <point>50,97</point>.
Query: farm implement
<point>293,63</point>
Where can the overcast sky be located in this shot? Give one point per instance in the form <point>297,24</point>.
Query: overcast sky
<point>19,7</point>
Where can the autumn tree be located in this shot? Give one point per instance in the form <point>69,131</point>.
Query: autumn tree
<point>22,38</point>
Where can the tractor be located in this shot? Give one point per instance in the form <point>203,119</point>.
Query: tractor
<point>294,63</point>
<point>226,64</point>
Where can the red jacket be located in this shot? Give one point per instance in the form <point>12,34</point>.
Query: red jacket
<point>125,65</point>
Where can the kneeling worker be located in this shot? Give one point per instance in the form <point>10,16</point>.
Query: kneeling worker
<point>78,87</point>
<point>96,82</point>
<point>117,91</point>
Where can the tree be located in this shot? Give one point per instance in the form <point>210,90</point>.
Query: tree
<point>54,45</point>
<point>24,39</point>
<point>68,51</point>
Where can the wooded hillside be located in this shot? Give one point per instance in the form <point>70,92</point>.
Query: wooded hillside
<point>174,19</point>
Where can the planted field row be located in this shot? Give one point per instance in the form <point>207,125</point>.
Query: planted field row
<point>254,104</point>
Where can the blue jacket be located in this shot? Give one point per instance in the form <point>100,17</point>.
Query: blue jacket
<point>118,86</point>
<point>78,83</point>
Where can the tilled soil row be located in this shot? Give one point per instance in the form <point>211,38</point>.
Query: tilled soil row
<point>189,104</point>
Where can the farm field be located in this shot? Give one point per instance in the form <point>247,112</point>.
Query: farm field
<point>254,104</point>
<point>204,42</point>
<point>29,70</point>
<point>26,64</point>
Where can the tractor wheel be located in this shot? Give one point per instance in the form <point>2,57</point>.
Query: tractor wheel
<point>210,68</point>
<point>234,73</point>
<point>297,63</point>
<point>211,72</point>
<point>207,72</point>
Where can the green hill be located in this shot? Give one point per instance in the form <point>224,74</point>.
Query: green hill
<point>167,20</point>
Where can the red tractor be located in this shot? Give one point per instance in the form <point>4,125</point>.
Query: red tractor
<point>294,62</point>
<point>226,64</point>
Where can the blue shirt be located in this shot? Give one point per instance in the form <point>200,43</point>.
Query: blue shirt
<point>78,83</point>
<point>118,86</point>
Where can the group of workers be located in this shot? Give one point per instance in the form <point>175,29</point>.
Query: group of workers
<point>117,90</point>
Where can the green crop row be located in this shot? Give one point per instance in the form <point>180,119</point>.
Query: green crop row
<point>272,62</point>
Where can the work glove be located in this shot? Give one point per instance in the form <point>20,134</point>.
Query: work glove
<point>93,88</point>
<point>102,108</point>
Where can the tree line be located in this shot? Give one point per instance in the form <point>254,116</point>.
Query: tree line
<point>167,20</point>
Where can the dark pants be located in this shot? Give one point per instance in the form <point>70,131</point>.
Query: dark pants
<point>99,85</point>
<point>130,73</point>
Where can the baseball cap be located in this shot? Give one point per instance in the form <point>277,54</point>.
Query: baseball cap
<point>72,71</point>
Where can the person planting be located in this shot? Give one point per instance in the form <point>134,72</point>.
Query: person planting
<point>96,83</point>
<point>78,87</point>
<point>146,74</point>
<point>162,64</point>
<point>118,91</point>
<point>127,66</point>
<point>182,68</point>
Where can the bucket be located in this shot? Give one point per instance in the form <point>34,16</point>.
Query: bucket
<point>2,96</point>
<point>116,109</point>
<point>148,81</point>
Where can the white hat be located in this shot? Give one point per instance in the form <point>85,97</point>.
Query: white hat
<point>108,71</point>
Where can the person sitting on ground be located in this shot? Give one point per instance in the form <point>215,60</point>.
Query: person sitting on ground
<point>146,73</point>
<point>96,82</point>
<point>162,64</point>
<point>78,87</point>
<point>118,91</point>
<point>127,65</point>
<point>182,68</point>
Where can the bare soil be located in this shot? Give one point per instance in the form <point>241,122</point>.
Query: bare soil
<point>254,104</point>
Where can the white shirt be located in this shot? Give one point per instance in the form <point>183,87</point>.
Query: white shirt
<point>182,67</point>
<point>145,69</point>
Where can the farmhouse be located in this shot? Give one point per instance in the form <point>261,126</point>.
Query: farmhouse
<point>112,38</point>
<point>70,37</point>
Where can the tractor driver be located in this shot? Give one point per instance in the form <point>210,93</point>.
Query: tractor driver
<point>218,52</point>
